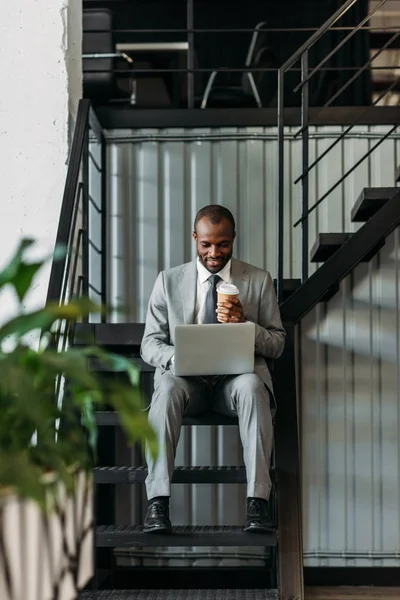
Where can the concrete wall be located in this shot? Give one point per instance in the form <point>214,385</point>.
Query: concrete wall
<point>40,85</point>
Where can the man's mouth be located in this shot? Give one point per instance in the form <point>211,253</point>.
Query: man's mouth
<point>214,262</point>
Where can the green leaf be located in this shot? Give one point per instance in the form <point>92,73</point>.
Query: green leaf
<point>89,421</point>
<point>8,274</point>
<point>18,474</point>
<point>117,362</point>
<point>44,318</point>
<point>19,273</point>
<point>24,277</point>
<point>23,324</point>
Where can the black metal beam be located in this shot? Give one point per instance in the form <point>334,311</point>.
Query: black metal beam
<point>167,578</point>
<point>352,576</point>
<point>127,117</point>
<point>287,465</point>
<point>361,244</point>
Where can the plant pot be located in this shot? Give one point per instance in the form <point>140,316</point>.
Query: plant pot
<point>47,555</point>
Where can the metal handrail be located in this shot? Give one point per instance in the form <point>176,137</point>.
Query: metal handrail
<point>347,130</point>
<point>354,77</point>
<point>340,45</point>
<point>187,30</point>
<point>353,168</point>
<point>318,34</point>
<point>76,199</point>
<point>302,53</point>
<point>69,198</point>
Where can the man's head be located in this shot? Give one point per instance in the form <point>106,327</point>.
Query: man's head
<point>214,232</point>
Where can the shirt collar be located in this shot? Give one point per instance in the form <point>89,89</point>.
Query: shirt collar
<point>224,273</point>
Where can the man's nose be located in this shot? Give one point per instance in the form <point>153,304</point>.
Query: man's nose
<point>214,251</point>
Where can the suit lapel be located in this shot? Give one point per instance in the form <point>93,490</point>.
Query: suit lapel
<point>240,278</point>
<point>188,291</point>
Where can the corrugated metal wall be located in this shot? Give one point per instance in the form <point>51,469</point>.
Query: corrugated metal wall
<point>350,407</point>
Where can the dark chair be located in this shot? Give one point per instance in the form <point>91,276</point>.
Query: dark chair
<point>99,76</point>
<point>101,81</point>
<point>257,89</point>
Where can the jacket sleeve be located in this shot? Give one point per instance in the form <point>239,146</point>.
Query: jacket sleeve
<point>270,334</point>
<point>156,349</point>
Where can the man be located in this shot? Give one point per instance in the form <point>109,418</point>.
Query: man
<point>185,294</point>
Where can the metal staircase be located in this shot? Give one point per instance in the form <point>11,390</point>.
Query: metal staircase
<point>336,254</point>
<point>125,338</point>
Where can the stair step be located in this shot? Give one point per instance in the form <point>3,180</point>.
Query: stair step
<point>181,594</point>
<point>289,286</point>
<point>113,335</point>
<point>326,245</point>
<point>96,364</point>
<point>181,475</point>
<point>370,201</point>
<point>111,419</point>
<point>116,536</point>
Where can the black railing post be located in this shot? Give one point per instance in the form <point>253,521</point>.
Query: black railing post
<point>305,160</point>
<point>190,54</point>
<point>104,215</point>
<point>281,184</point>
<point>85,215</point>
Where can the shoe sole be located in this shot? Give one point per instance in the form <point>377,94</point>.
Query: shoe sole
<point>260,529</point>
<point>157,529</point>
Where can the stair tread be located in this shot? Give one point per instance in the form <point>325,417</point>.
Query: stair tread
<point>96,364</point>
<point>182,535</point>
<point>326,245</point>
<point>181,594</point>
<point>182,474</point>
<point>370,201</point>
<point>111,418</point>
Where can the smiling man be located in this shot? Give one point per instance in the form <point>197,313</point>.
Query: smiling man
<point>183,295</point>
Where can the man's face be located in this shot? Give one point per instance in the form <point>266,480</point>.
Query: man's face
<point>214,243</point>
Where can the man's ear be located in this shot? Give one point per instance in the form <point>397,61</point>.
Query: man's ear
<point>234,235</point>
<point>194,235</point>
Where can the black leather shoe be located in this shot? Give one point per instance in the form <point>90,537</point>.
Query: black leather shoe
<point>257,518</point>
<point>157,517</point>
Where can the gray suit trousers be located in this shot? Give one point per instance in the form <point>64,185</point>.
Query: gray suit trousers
<point>244,396</point>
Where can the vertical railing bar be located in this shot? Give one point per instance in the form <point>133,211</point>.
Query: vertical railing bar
<point>85,216</point>
<point>305,160</point>
<point>190,54</point>
<point>280,191</point>
<point>104,216</point>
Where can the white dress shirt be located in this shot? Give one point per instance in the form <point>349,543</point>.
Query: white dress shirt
<point>203,285</point>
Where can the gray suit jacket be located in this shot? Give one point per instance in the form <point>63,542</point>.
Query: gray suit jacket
<point>173,302</point>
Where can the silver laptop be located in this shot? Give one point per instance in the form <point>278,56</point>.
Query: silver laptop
<point>220,349</point>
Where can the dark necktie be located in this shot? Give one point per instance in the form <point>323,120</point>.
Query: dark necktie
<point>210,315</point>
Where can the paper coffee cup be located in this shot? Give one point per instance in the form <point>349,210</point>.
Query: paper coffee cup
<point>227,291</point>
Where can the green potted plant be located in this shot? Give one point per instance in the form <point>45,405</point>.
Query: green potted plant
<point>48,434</point>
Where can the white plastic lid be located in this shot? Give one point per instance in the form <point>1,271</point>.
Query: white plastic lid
<point>228,288</point>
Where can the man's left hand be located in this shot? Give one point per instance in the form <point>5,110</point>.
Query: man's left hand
<point>230,311</point>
